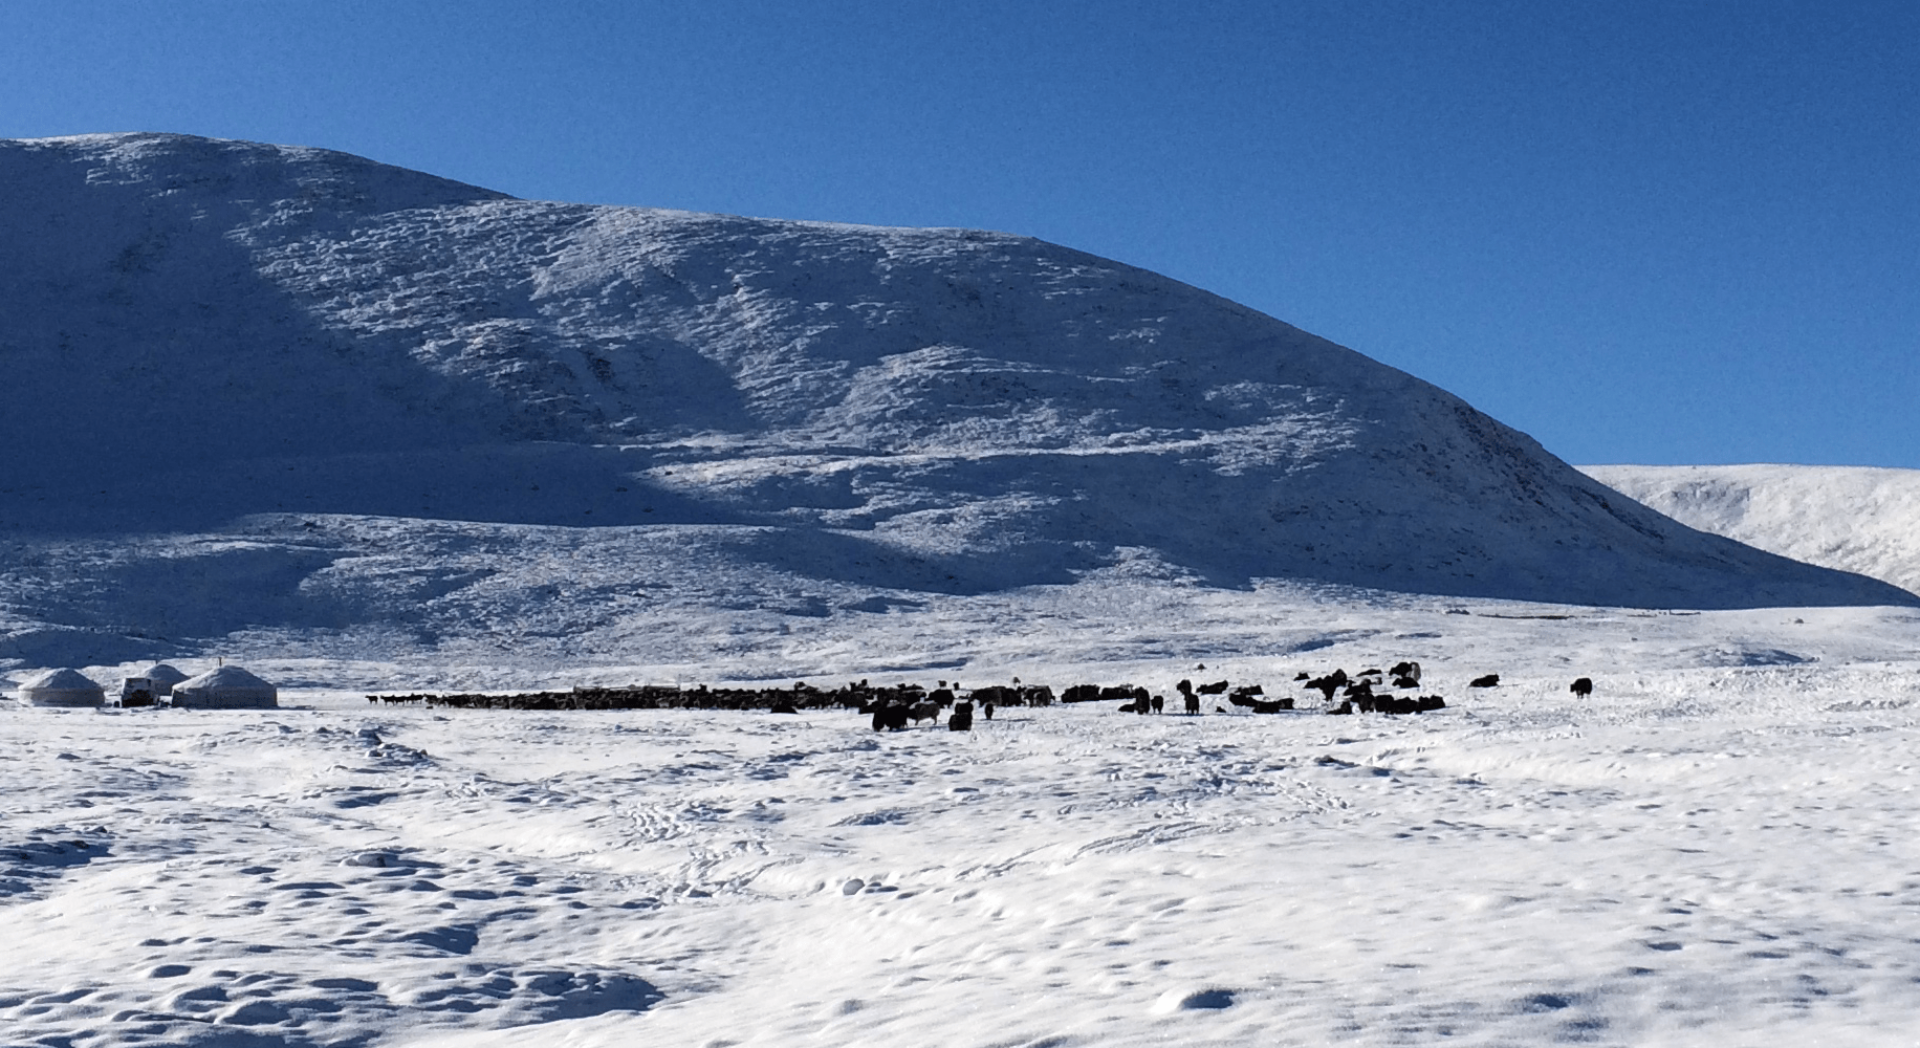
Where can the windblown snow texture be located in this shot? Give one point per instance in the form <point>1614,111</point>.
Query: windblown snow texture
<point>195,331</point>
<point>1852,518</point>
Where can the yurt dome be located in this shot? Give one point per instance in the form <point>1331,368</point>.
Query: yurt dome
<point>62,688</point>
<point>227,688</point>
<point>164,677</point>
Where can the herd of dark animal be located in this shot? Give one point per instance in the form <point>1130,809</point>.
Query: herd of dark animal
<point>900,706</point>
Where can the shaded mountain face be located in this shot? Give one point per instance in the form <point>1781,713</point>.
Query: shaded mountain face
<point>195,330</point>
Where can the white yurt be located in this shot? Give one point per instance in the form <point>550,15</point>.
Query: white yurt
<point>62,688</point>
<point>227,688</point>
<point>150,685</point>
<point>164,677</point>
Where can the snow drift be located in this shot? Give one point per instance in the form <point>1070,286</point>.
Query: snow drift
<point>195,331</point>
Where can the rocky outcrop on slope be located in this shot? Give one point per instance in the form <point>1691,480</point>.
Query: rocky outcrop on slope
<point>207,329</point>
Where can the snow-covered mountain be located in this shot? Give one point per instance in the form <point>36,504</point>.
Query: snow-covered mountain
<point>1851,518</point>
<point>195,333</point>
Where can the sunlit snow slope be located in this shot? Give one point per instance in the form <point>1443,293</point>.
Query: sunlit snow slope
<point>1847,517</point>
<point>193,331</point>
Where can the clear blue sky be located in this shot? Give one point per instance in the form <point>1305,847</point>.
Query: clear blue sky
<point>1662,232</point>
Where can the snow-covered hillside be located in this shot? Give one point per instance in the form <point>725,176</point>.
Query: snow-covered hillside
<point>1847,517</point>
<point>309,385</point>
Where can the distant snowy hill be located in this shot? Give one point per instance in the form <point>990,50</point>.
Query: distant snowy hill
<point>196,331</point>
<point>1846,517</point>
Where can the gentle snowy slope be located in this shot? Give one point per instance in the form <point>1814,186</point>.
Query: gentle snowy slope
<point>1847,517</point>
<point>199,331</point>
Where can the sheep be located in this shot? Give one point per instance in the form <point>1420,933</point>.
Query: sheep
<point>1582,687</point>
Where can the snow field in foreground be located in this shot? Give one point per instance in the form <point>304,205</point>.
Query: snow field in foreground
<point>1693,856</point>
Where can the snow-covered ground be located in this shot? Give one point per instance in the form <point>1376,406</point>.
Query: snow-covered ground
<point>1853,518</point>
<point>1716,848</point>
<point>365,429</point>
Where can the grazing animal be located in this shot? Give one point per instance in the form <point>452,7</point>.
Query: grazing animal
<point>1193,704</point>
<point>1159,703</point>
<point>1406,682</point>
<point>1081,693</point>
<point>1244,697</point>
<point>1491,680</point>
<point>1342,710</point>
<point>962,719</point>
<point>1582,687</point>
<point>782,707</point>
<point>1330,683</point>
<point>1218,687</point>
<point>890,717</point>
<point>1409,670</point>
<point>1370,673</point>
<point>987,709</point>
<point>927,711</point>
<point>1302,676</point>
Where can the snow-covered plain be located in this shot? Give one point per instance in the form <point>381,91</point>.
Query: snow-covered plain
<point>1716,848</point>
<point>363,429</point>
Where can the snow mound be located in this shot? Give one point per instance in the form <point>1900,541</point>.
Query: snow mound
<point>246,329</point>
<point>1851,518</point>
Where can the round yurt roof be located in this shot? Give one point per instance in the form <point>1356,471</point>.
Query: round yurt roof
<point>162,673</point>
<point>62,688</point>
<point>228,686</point>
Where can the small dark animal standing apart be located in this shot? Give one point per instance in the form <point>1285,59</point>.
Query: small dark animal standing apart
<point>1582,687</point>
<point>1491,680</point>
<point>1159,703</point>
<point>1302,676</point>
<point>962,719</point>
